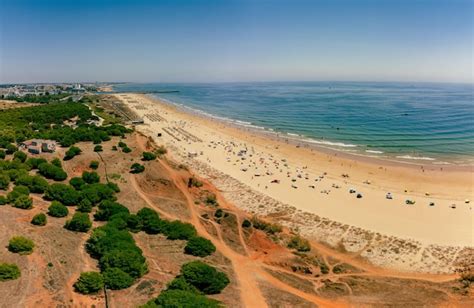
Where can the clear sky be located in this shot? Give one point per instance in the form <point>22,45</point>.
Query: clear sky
<point>207,41</point>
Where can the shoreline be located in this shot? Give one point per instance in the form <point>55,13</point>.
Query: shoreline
<point>310,209</point>
<point>308,142</point>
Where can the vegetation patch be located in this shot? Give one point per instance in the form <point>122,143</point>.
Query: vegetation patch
<point>9,271</point>
<point>89,283</point>
<point>21,245</point>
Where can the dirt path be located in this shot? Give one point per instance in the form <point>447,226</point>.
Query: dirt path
<point>250,268</point>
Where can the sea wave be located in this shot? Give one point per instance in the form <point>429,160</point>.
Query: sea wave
<point>415,157</point>
<point>330,143</point>
<point>374,151</point>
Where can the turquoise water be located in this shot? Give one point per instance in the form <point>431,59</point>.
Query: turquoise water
<point>421,122</point>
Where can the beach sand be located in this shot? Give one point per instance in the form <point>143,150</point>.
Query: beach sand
<point>311,189</point>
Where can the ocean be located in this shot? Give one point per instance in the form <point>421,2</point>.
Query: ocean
<point>412,122</point>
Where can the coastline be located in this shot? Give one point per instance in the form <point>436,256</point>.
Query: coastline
<point>337,211</point>
<point>298,140</point>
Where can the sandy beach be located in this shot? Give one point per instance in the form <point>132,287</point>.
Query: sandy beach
<point>321,187</point>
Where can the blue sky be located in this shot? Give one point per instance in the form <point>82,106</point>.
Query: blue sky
<point>207,41</point>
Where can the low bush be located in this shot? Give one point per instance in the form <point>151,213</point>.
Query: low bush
<point>180,298</point>
<point>204,277</point>
<point>19,155</point>
<point>90,177</point>
<point>177,230</point>
<point>18,190</point>
<point>80,222</point>
<point>147,156</point>
<point>3,200</point>
<point>89,283</point>
<point>116,279</point>
<point>299,243</point>
<point>62,193</point>
<point>98,148</point>
<point>4,181</point>
<point>109,208</point>
<point>134,223</point>
<point>21,245</point>
<point>199,247</point>
<point>126,150</point>
<point>137,168</point>
<point>52,172</point>
<point>57,209</point>
<point>39,220</point>
<point>9,271</point>
<point>94,165</point>
<point>34,162</point>
<point>266,226</point>
<point>77,183</point>
<point>37,184</point>
<point>246,223</point>
<point>72,152</point>
<point>23,202</point>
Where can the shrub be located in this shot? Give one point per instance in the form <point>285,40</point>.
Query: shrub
<point>177,230</point>
<point>211,200</point>
<point>89,283</point>
<point>180,298</point>
<point>77,183</point>
<point>18,190</point>
<point>265,226</point>
<point>19,155</point>
<point>130,261</point>
<point>4,181</point>
<point>137,168</point>
<point>52,172</point>
<point>2,154</point>
<point>39,220</point>
<point>134,223</point>
<point>35,162</point>
<point>193,182</point>
<point>161,150</point>
<point>9,272</point>
<point>204,277</point>
<point>114,148</point>
<point>299,243</point>
<point>10,148</point>
<point>116,279</point>
<point>94,165</point>
<point>199,246</point>
<point>73,151</point>
<point>62,193</point>
<point>21,245</point>
<point>90,177</point>
<point>80,222</point>
<point>126,150</point>
<point>113,186</point>
<point>122,144</point>
<point>219,213</point>
<point>36,184</point>
<point>179,283</point>
<point>109,208</point>
<point>97,192</point>
<point>57,209</point>
<point>98,148</point>
<point>147,156</point>
<point>3,200</point>
<point>23,202</point>
<point>85,206</point>
<point>246,223</point>
<point>150,221</point>
<point>56,162</point>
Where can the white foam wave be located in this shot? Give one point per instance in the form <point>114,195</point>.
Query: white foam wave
<point>415,157</point>
<point>374,151</point>
<point>337,144</point>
